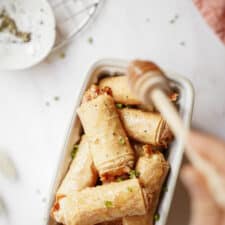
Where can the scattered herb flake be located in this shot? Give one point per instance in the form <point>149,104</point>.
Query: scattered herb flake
<point>176,16</point>
<point>119,106</point>
<point>47,103</point>
<point>165,189</point>
<point>56,98</point>
<point>119,179</point>
<point>90,40</point>
<point>134,174</point>
<point>62,55</point>
<point>182,43</point>
<point>156,217</point>
<point>8,24</point>
<point>130,189</point>
<point>174,19</point>
<point>121,140</point>
<point>108,204</point>
<point>74,151</point>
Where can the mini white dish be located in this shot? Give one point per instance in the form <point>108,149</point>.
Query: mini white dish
<point>32,16</point>
<point>112,67</point>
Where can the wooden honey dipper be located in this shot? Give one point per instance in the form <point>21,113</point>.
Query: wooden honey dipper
<point>151,86</point>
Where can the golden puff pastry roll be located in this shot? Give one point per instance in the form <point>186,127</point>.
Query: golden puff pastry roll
<point>120,89</point>
<point>110,147</point>
<point>82,172</point>
<point>102,203</point>
<point>80,175</point>
<point>153,169</point>
<point>146,127</point>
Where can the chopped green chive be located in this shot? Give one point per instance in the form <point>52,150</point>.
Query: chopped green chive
<point>47,103</point>
<point>121,140</point>
<point>119,106</point>
<point>56,98</point>
<point>9,24</point>
<point>156,217</point>
<point>130,189</point>
<point>90,40</point>
<point>119,179</point>
<point>108,204</point>
<point>174,19</point>
<point>62,55</point>
<point>165,189</point>
<point>176,16</point>
<point>74,151</point>
<point>134,174</point>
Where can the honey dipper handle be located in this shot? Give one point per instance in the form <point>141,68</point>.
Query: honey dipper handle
<point>170,114</point>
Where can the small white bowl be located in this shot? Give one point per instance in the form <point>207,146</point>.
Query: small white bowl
<point>35,17</point>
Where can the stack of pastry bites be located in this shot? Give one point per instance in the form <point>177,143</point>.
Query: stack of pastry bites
<point>117,174</point>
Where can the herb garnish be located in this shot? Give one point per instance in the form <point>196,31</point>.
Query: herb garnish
<point>176,17</point>
<point>121,140</point>
<point>182,43</point>
<point>134,174</point>
<point>119,179</point>
<point>9,24</point>
<point>74,151</point>
<point>119,106</point>
<point>165,189</point>
<point>130,189</point>
<point>156,217</point>
<point>47,103</point>
<point>56,98</point>
<point>90,40</point>
<point>62,55</point>
<point>108,204</point>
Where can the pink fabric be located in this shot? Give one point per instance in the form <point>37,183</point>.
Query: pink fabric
<point>214,13</point>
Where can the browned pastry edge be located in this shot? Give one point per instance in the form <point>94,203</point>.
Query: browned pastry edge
<point>56,205</point>
<point>166,135</point>
<point>94,91</point>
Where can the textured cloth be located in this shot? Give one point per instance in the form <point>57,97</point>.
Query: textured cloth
<point>214,13</point>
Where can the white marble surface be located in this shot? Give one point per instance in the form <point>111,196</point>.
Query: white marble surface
<point>33,133</point>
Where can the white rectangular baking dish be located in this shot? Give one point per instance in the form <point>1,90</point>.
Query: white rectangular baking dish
<point>175,154</point>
